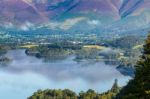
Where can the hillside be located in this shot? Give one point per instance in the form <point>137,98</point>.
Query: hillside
<point>139,87</point>
<point>70,15</point>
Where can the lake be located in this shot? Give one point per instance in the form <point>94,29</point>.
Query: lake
<point>26,74</point>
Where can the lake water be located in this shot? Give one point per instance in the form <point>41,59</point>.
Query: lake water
<point>26,74</point>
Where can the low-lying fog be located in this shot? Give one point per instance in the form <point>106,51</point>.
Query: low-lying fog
<point>26,74</point>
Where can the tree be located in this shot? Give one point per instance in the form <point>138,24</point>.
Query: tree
<point>54,94</point>
<point>139,87</point>
<point>115,88</point>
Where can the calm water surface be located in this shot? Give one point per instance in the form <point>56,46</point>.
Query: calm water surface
<point>26,74</point>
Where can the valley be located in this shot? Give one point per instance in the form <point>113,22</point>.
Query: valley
<point>74,49</point>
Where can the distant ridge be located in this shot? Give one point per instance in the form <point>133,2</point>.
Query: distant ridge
<point>27,13</point>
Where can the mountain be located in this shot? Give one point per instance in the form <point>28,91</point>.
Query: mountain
<point>70,15</point>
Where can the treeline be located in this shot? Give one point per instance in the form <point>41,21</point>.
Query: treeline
<point>68,94</point>
<point>127,42</point>
<point>62,50</point>
<point>54,51</point>
<point>3,49</point>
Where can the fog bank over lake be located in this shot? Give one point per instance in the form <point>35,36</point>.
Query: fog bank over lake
<point>26,74</point>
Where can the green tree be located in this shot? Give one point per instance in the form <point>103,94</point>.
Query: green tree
<point>139,87</point>
<point>54,94</point>
<point>115,88</point>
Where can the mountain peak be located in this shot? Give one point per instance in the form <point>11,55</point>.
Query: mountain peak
<point>18,12</point>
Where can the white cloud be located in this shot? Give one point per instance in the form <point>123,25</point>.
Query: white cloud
<point>29,24</point>
<point>93,22</point>
<point>67,24</point>
<point>8,25</point>
<point>51,25</point>
<point>26,26</point>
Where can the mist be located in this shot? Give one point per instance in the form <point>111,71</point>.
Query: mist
<point>29,74</point>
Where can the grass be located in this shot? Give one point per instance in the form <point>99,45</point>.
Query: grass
<point>138,46</point>
<point>94,47</point>
<point>29,46</point>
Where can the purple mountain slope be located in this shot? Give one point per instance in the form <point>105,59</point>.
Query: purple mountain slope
<point>32,12</point>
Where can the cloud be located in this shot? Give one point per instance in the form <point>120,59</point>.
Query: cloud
<point>26,26</point>
<point>93,22</point>
<point>65,25</point>
<point>8,25</point>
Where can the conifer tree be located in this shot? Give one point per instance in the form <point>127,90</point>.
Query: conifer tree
<point>139,87</point>
<point>115,88</point>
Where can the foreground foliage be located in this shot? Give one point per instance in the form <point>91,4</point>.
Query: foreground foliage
<point>139,87</point>
<point>68,94</point>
